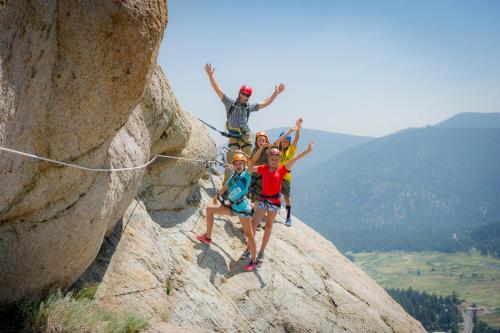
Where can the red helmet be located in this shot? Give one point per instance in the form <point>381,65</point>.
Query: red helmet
<point>273,151</point>
<point>246,90</point>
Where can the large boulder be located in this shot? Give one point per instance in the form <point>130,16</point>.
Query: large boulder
<point>72,76</point>
<point>153,264</point>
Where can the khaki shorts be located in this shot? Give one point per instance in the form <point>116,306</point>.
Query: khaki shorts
<point>285,188</point>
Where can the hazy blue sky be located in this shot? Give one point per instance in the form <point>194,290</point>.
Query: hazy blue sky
<point>357,67</point>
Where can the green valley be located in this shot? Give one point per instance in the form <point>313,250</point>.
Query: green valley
<point>475,278</point>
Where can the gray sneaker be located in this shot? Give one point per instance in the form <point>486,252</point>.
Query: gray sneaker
<point>246,254</point>
<point>260,257</point>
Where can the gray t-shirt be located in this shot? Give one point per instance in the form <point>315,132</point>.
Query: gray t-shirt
<point>239,114</point>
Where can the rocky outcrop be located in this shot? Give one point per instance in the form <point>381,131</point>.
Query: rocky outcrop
<point>72,75</point>
<point>172,184</point>
<point>78,84</point>
<point>168,126</point>
<point>153,265</point>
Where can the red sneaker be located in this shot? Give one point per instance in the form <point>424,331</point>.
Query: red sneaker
<point>251,266</point>
<point>204,239</point>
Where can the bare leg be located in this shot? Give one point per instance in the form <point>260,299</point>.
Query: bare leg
<point>211,211</point>
<point>247,228</point>
<point>259,213</point>
<point>269,227</point>
<point>288,201</point>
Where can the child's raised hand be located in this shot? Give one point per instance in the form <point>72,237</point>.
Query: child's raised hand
<point>298,124</point>
<point>310,147</point>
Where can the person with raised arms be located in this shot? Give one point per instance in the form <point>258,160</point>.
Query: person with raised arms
<point>237,113</point>
<point>272,179</point>
<point>237,204</point>
<point>288,149</point>
<point>261,138</point>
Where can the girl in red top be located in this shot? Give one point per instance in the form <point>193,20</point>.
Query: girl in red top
<point>272,179</point>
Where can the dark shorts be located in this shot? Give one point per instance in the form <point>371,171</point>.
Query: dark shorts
<point>285,188</point>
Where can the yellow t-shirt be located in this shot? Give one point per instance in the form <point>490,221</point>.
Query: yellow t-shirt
<point>285,157</point>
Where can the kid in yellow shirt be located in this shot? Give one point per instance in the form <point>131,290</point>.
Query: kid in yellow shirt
<point>288,150</point>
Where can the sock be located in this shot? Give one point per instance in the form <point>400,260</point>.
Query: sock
<point>288,210</point>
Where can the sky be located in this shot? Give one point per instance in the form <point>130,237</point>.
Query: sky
<point>356,67</point>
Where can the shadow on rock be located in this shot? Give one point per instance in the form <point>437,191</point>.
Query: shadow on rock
<point>169,219</point>
<point>235,230</point>
<point>96,271</point>
<point>213,260</point>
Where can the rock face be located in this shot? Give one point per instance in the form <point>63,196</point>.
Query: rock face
<point>72,76</point>
<point>78,84</point>
<point>153,264</point>
<point>171,184</point>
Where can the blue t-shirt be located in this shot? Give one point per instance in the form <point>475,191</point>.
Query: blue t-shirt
<point>237,188</point>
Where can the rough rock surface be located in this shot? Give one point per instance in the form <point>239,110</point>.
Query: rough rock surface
<point>72,74</point>
<point>153,265</point>
<point>172,184</point>
<point>89,94</point>
<point>169,184</point>
<point>168,128</point>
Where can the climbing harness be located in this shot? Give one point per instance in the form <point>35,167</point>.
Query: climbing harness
<point>274,196</point>
<point>266,198</point>
<point>240,147</point>
<point>229,203</point>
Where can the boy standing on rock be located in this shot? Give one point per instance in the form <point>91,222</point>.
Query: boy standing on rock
<point>237,112</point>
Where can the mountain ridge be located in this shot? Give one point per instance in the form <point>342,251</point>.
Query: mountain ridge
<point>471,120</point>
<point>407,179</point>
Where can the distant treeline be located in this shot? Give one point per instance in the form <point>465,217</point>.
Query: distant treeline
<point>487,239</point>
<point>434,312</point>
<point>412,238</point>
